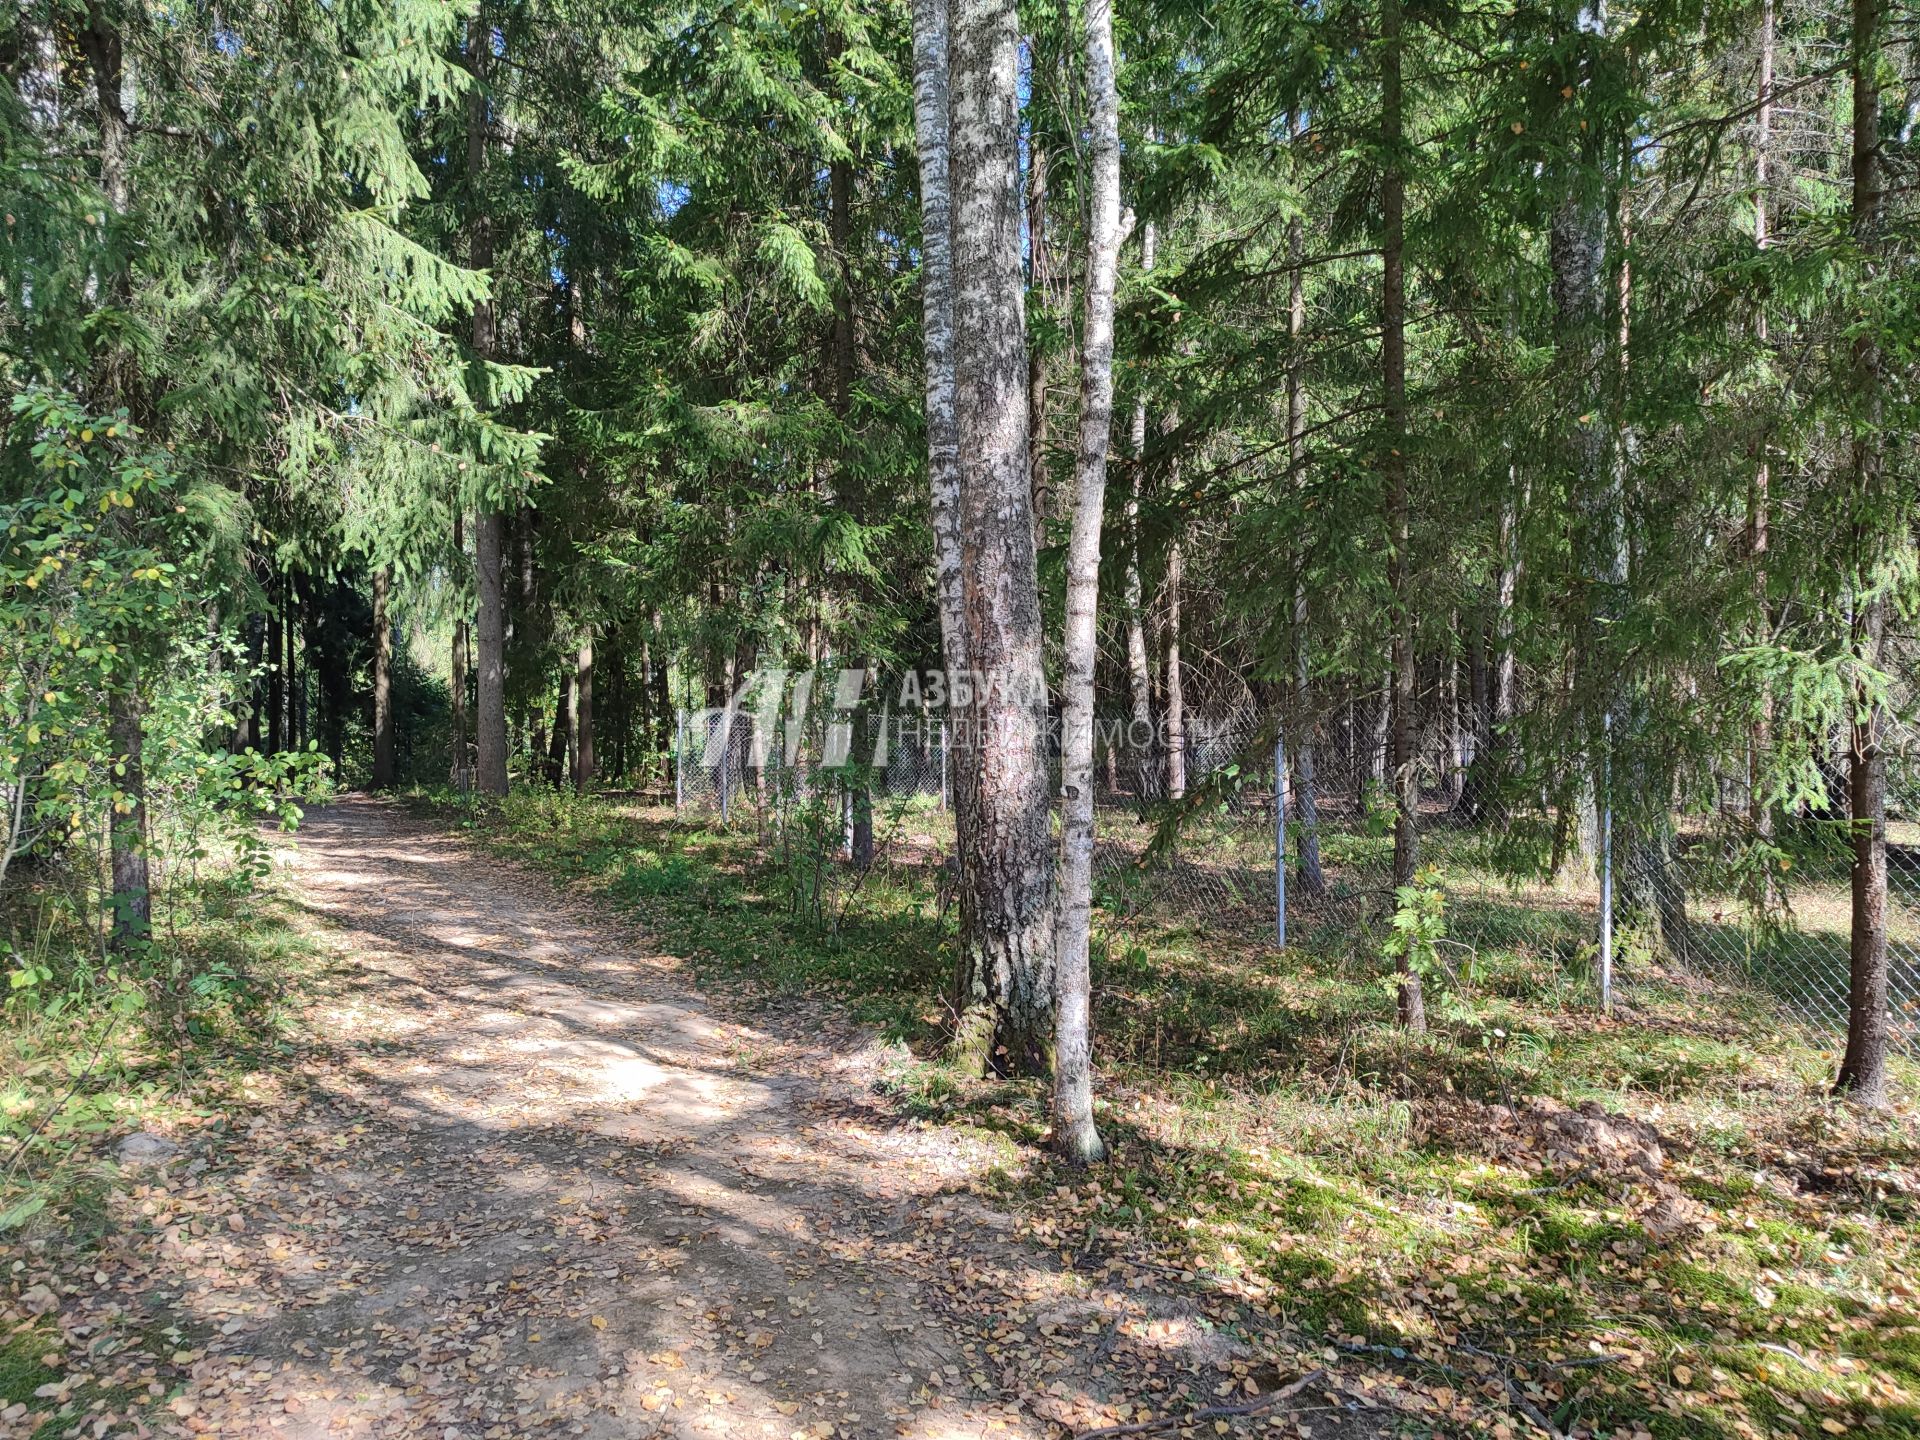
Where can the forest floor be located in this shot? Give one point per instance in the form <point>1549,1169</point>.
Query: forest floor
<point>523,1180</point>
<point>590,1126</point>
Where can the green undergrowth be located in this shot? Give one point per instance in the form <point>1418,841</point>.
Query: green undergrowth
<point>1277,1138</point>
<point>92,1049</point>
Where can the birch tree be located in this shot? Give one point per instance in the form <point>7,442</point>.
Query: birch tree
<point>1006,997</point>
<point>1074,1132</point>
<point>932,127</point>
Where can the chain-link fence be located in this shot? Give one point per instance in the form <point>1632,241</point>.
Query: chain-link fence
<point>1233,820</point>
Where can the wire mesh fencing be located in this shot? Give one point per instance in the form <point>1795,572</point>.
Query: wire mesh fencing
<point>1765,899</point>
<point>1239,821</point>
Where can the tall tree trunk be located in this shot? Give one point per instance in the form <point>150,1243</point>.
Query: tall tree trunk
<point>296,711</point>
<point>622,710</point>
<point>1393,368</point>
<point>250,733</point>
<point>932,123</point>
<point>845,360</point>
<point>1308,876</point>
<point>490,698</point>
<point>112,384</point>
<point>383,746</point>
<point>276,667</point>
<point>457,750</point>
<point>1007,1010</point>
<point>1139,666</point>
<point>932,120</point>
<point>1494,673</point>
<point>1039,285</point>
<point>1479,692</point>
<point>583,762</point>
<point>1074,1132</point>
<point>1760,734</point>
<point>490,647</point>
<point>1578,254</point>
<point>663,716</point>
<point>1863,1069</point>
<point>1176,684</point>
<point>560,738</point>
<point>1456,731</point>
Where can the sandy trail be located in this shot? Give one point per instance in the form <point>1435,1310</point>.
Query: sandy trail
<point>524,1181</point>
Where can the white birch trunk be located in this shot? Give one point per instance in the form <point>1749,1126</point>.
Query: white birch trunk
<point>1139,666</point>
<point>1074,1132</point>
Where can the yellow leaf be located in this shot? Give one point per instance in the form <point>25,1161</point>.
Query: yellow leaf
<point>599,1322</point>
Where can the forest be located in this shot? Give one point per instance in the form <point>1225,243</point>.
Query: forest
<point>1210,709</point>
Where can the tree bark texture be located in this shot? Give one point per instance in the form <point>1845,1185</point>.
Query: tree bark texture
<point>383,739</point>
<point>490,692</point>
<point>1393,377</point>
<point>1074,1133</point>
<point>1008,869</point>
<point>583,758</point>
<point>1863,1068</point>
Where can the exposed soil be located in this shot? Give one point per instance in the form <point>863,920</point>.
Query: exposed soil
<point>529,1182</point>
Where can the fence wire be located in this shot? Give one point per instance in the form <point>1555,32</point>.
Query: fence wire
<point>1260,828</point>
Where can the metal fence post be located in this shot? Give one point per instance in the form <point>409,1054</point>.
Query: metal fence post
<point>1606,865</point>
<point>1280,841</point>
<point>679,760</point>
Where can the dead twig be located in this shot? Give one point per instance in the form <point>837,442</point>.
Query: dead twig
<point>1212,1412</point>
<point>1514,1393</point>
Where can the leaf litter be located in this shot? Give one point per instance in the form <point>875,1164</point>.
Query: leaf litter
<point>522,1181</point>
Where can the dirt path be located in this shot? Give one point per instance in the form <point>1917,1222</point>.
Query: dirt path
<point>521,1180</point>
<point>531,1184</point>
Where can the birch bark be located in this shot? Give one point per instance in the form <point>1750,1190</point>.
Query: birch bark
<point>1074,1132</point>
<point>1006,1002</point>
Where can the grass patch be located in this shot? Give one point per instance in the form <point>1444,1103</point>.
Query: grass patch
<point>1277,1138</point>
